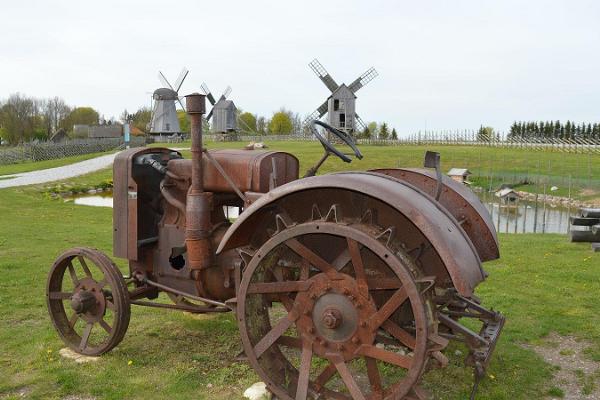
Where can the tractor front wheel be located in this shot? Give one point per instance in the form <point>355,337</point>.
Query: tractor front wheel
<point>88,301</point>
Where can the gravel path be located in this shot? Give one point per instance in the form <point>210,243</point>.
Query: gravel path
<point>58,173</point>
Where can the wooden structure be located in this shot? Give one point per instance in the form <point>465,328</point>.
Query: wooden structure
<point>340,106</point>
<point>585,227</point>
<point>460,175</point>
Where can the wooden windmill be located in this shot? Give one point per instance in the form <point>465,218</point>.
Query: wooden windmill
<point>164,113</point>
<point>340,106</point>
<point>223,112</point>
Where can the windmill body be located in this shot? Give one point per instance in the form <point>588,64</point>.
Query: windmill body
<point>164,119</point>
<point>164,114</point>
<point>223,115</point>
<point>340,106</point>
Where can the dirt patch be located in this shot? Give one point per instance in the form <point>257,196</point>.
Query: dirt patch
<point>576,377</point>
<point>19,393</point>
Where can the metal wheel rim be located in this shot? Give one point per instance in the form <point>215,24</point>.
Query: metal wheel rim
<point>399,389</point>
<point>64,319</point>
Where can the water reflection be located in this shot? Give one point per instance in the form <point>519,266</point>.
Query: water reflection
<point>526,217</point>
<point>106,200</point>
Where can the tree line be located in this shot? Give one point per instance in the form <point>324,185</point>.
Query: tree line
<point>554,129</point>
<point>24,118</point>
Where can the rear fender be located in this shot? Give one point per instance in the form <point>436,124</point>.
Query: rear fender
<point>419,222</point>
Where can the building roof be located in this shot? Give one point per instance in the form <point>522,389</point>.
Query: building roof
<point>459,172</point>
<point>507,192</point>
<point>225,104</point>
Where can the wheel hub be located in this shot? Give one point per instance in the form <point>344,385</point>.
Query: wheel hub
<point>89,300</point>
<point>335,315</point>
<point>82,301</point>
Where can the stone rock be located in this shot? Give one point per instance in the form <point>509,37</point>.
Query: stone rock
<point>258,391</point>
<point>78,358</point>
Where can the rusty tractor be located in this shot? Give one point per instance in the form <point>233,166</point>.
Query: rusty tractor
<point>344,286</point>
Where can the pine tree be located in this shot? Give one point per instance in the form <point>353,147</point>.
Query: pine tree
<point>383,131</point>
<point>394,134</point>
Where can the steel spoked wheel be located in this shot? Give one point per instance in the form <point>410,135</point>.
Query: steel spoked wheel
<point>88,301</point>
<point>326,310</point>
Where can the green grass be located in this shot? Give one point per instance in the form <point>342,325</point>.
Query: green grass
<point>542,284</point>
<point>36,165</point>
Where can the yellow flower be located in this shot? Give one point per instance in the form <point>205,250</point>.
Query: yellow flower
<point>129,362</point>
<point>492,377</point>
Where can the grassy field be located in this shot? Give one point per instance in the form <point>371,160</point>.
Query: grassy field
<point>491,166</point>
<point>542,283</point>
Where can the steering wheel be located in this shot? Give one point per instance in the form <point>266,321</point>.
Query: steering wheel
<point>329,147</point>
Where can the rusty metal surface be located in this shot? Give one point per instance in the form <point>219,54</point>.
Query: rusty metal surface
<point>336,315</point>
<point>463,204</point>
<point>250,170</point>
<point>83,287</point>
<point>447,239</point>
<point>126,202</point>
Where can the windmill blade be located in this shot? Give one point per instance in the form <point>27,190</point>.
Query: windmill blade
<point>164,81</point>
<point>181,104</point>
<point>362,80</point>
<point>184,72</point>
<point>322,73</point>
<point>317,114</point>
<point>210,114</point>
<point>359,123</point>
<point>227,92</point>
<point>208,94</point>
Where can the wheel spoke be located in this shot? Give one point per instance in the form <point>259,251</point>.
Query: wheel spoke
<point>86,335</point>
<point>105,326</point>
<point>73,320</point>
<point>374,377</point>
<point>359,269</point>
<point>325,376</point>
<point>290,341</point>
<point>59,295</point>
<point>84,266</point>
<point>102,283</point>
<point>384,283</point>
<point>304,270</point>
<point>310,256</point>
<point>348,379</point>
<point>403,336</point>
<point>384,355</point>
<point>110,305</point>
<point>273,335</point>
<point>72,273</point>
<point>388,308</point>
<point>303,377</point>
<point>278,287</point>
<point>286,300</point>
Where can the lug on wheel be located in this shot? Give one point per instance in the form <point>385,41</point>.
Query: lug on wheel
<point>88,301</point>
<point>326,310</point>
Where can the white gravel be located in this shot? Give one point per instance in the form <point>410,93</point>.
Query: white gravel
<point>58,173</point>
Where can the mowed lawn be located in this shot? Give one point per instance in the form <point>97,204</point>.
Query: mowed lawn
<point>542,283</point>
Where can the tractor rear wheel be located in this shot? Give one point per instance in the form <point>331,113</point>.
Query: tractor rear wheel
<point>88,301</point>
<point>333,310</point>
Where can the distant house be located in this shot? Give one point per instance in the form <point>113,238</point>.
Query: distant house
<point>106,131</point>
<point>460,175</point>
<point>508,196</point>
<point>59,136</point>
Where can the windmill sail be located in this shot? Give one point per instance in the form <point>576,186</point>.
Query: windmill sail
<point>184,72</point>
<point>322,73</point>
<point>359,123</point>
<point>317,114</point>
<point>362,80</point>
<point>208,94</point>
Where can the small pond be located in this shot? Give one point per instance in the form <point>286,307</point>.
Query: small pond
<point>526,217</point>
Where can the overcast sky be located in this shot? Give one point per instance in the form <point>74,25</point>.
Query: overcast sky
<point>441,64</point>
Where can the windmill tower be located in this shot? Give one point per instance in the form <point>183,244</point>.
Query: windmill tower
<point>223,112</point>
<point>164,113</point>
<point>340,106</point>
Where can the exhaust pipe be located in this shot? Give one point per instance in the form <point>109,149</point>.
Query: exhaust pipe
<point>199,203</point>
